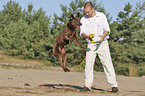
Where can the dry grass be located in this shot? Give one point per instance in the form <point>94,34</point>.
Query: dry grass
<point>8,62</point>
<point>14,60</point>
<point>133,71</point>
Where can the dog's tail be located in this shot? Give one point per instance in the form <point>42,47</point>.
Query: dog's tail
<point>50,51</point>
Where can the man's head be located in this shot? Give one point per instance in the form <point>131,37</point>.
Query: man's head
<point>89,9</point>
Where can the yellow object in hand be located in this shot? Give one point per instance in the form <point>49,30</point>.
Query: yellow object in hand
<point>91,36</point>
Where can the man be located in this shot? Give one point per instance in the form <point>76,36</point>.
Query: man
<point>96,23</point>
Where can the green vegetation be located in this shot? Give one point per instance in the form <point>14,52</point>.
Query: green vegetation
<point>29,34</point>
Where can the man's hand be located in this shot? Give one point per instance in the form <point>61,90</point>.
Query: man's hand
<point>85,36</point>
<point>91,36</point>
<point>102,36</point>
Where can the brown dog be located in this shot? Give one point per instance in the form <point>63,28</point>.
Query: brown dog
<point>64,38</point>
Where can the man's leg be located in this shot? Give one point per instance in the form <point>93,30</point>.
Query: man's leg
<point>104,55</point>
<point>89,67</point>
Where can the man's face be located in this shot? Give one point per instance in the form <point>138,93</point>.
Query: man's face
<point>89,11</point>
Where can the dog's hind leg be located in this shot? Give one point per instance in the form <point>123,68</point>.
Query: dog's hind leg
<point>58,54</point>
<point>65,59</point>
<point>59,57</point>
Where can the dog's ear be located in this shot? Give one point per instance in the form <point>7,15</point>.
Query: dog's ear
<point>78,15</point>
<point>71,17</point>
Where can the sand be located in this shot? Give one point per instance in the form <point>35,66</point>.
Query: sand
<point>33,82</point>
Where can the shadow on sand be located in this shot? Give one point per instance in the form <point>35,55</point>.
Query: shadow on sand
<point>68,86</point>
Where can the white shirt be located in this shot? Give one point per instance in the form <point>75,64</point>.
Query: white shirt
<point>96,25</point>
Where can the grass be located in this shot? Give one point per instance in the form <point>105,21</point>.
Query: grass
<point>17,67</point>
<point>15,60</point>
<point>133,70</point>
<point>8,62</point>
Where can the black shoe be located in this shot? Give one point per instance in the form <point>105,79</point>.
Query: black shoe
<point>85,89</point>
<point>114,89</point>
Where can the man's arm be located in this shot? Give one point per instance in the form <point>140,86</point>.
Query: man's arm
<point>102,36</point>
<point>85,36</point>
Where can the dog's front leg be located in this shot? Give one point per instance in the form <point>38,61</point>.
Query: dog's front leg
<point>76,41</point>
<point>66,38</point>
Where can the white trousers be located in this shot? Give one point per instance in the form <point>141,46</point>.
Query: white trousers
<point>102,49</point>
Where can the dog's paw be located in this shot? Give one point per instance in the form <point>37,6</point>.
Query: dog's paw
<point>85,49</point>
<point>67,69</point>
